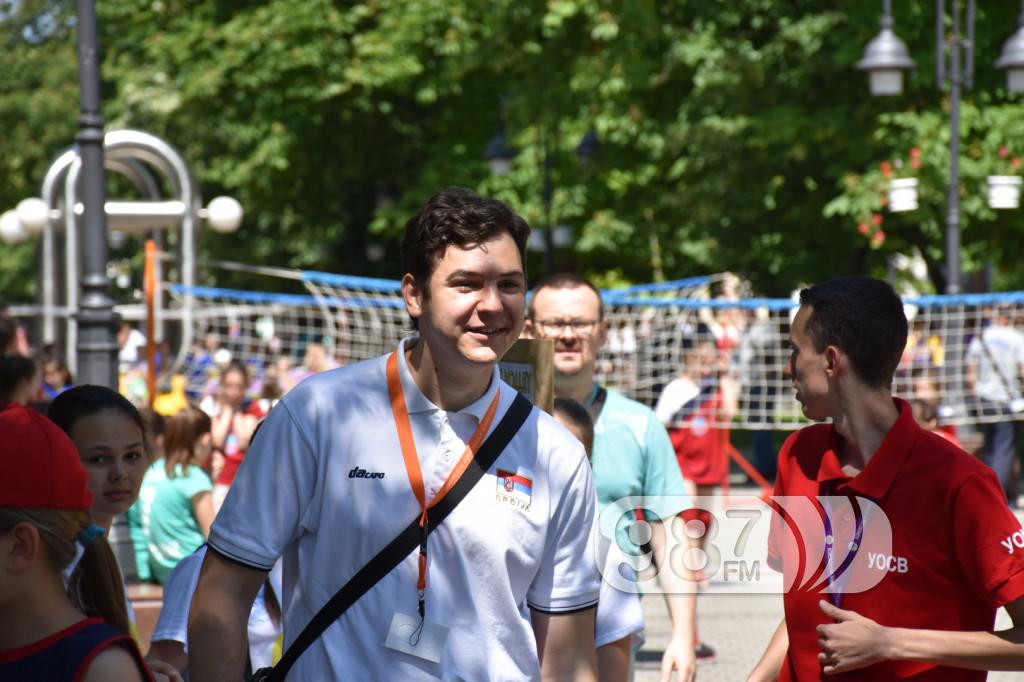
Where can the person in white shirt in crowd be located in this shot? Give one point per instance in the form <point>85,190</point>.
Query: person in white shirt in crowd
<point>995,368</point>
<point>131,342</point>
<point>170,636</point>
<point>354,457</point>
<point>620,619</point>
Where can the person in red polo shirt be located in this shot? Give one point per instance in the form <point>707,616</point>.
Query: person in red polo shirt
<point>956,552</point>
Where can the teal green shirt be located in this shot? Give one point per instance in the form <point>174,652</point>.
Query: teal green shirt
<point>167,518</point>
<point>633,456</point>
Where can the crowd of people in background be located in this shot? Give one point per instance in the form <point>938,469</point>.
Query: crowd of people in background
<point>168,469</point>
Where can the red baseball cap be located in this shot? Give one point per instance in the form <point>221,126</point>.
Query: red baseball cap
<point>40,465</point>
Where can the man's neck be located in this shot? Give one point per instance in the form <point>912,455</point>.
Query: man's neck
<point>577,387</point>
<point>866,416</point>
<point>445,389</point>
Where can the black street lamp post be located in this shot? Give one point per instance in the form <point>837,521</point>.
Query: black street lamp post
<point>97,321</point>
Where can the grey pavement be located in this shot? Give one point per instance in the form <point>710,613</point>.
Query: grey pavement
<point>736,624</point>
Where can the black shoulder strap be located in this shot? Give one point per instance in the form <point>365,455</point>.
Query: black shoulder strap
<point>399,548</point>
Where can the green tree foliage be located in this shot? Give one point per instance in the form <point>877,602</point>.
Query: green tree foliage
<point>733,135</point>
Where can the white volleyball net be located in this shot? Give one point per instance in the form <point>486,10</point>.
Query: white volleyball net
<point>718,346</point>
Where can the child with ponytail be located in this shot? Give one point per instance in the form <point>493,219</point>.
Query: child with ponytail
<point>176,504</point>
<point>111,440</point>
<point>49,631</point>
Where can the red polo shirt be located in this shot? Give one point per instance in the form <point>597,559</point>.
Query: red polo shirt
<point>957,551</point>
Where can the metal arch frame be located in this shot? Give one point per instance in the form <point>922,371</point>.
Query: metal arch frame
<point>138,174</point>
<point>126,152</point>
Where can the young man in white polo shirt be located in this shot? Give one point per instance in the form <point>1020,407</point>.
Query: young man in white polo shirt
<point>329,482</point>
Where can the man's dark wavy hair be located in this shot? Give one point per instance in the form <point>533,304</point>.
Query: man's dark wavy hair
<point>862,316</point>
<point>456,216</point>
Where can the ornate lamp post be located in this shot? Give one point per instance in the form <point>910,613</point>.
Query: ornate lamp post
<point>97,321</point>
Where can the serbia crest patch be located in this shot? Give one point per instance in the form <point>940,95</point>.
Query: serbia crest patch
<point>514,488</point>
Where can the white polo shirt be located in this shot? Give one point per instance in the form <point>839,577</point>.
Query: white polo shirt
<point>325,485</point>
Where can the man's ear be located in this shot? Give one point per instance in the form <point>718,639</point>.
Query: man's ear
<point>21,548</point>
<point>528,330</point>
<point>835,361</point>
<point>413,296</point>
<point>601,334</point>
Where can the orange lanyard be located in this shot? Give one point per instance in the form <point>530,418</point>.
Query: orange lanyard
<point>412,461</point>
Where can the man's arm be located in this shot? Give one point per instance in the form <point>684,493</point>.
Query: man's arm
<point>856,642</point>
<point>769,667</point>
<point>565,644</point>
<point>219,617</point>
<point>680,589</point>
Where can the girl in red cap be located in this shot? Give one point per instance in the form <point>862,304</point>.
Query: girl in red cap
<point>52,632</point>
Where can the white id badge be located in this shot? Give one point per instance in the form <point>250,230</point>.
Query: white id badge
<point>431,641</point>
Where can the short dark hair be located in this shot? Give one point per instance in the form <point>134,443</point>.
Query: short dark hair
<point>862,316</point>
<point>456,216</point>
<point>566,280</point>
<point>8,333</point>
<point>14,369</point>
<point>577,415</point>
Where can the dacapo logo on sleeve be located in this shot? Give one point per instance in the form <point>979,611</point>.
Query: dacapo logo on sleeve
<point>363,473</point>
<point>1013,542</point>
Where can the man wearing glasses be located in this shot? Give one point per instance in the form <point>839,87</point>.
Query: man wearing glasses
<point>633,455</point>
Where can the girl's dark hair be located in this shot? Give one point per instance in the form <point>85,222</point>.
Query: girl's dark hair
<point>95,586</point>
<point>155,422</point>
<point>85,401</point>
<point>577,415</point>
<point>183,431</point>
<point>61,367</point>
<point>14,369</point>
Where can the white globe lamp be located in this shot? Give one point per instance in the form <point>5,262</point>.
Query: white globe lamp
<point>224,215</point>
<point>11,231</point>
<point>33,214</point>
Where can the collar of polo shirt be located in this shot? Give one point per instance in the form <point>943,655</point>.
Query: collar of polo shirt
<point>877,477</point>
<point>417,403</point>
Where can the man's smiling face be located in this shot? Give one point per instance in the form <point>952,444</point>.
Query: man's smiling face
<point>474,308</point>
